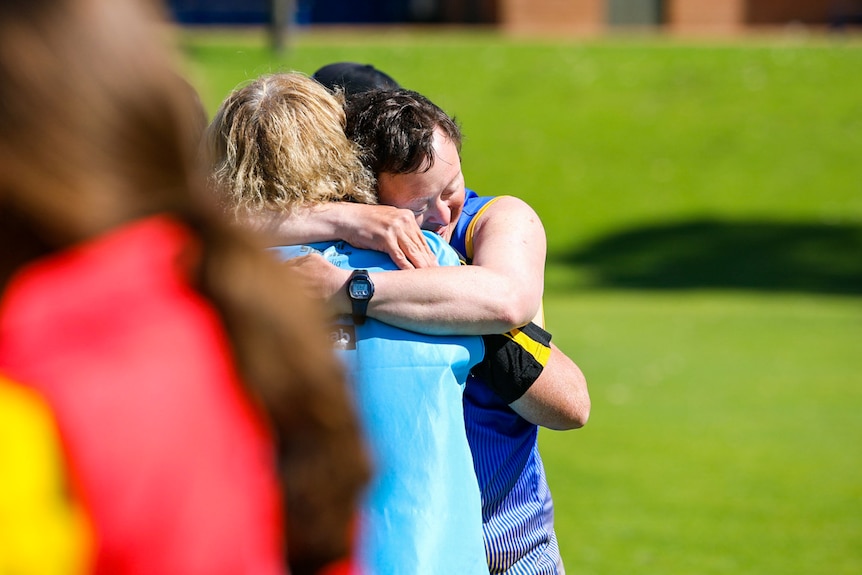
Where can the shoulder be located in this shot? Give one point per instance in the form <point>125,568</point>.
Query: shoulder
<point>507,216</point>
<point>289,252</point>
<point>477,208</point>
<point>493,217</point>
<point>338,253</point>
<point>506,205</point>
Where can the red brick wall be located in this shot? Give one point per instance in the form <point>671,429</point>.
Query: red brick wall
<point>708,16</point>
<point>556,16</point>
<point>685,16</point>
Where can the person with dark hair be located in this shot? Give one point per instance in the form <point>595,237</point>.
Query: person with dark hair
<point>168,402</point>
<point>413,147</point>
<point>351,78</point>
<point>278,143</point>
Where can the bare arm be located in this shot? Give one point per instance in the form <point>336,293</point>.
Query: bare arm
<point>501,291</point>
<point>559,399</point>
<point>381,228</point>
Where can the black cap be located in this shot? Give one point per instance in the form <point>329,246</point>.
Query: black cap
<point>353,78</point>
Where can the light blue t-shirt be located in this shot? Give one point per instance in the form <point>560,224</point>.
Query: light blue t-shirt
<point>422,513</point>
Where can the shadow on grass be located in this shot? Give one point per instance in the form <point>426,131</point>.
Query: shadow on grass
<point>756,255</point>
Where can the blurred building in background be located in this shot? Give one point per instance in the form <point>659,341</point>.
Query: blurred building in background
<point>694,16</point>
<point>532,16</point>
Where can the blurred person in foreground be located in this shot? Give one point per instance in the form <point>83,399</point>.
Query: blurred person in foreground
<point>413,147</point>
<point>278,143</point>
<point>168,403</point>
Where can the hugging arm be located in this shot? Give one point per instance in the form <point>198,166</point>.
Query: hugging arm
<point>559,398</point>
<point>375,227</point>
<point>501,291</point>
<point>538,381</point>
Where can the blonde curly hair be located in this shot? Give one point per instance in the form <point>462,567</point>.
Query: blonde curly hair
<point>278,143</point>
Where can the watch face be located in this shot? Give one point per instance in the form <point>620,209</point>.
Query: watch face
<point>360,288</point>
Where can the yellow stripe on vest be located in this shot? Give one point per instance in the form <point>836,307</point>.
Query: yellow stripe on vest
<point>539,351</point>
<point>468,236</point>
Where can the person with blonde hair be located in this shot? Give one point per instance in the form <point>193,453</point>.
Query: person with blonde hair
<point>278,143</point>
<point>413,147</point>
<point>168,403</point>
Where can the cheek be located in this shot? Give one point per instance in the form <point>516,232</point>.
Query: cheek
<point>455,211</point>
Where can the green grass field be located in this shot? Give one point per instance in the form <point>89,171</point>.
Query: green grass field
<point>703,203</point>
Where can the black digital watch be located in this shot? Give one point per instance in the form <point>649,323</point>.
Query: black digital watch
<point>360,288</point>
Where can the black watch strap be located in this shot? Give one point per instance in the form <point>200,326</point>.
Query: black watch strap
<point>360,289</point>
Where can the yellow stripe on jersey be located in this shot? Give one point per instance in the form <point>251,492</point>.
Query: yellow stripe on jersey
<point>514,361</point>
<point>468,235</point>
<point>539,350</point>
<point>42,531</point>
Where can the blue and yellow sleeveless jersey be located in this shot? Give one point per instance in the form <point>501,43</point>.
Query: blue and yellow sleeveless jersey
<point>517,510</point>
<point>422,513</point>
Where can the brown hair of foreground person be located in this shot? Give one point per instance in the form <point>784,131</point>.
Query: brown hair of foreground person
<point>98,130</point>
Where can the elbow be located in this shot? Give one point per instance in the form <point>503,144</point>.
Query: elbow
<point>514,312</point>
<point>556,412</point>
<point>574,410</point>
<point>580,408</point>
<point>573,418</point>
<point>581,415</point>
